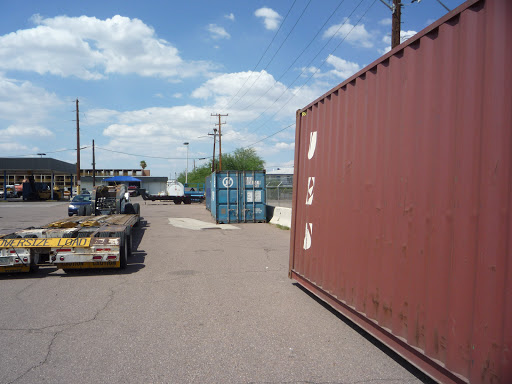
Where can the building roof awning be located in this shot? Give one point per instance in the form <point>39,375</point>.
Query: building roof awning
<point>122,179</point>
<point>22,165</point>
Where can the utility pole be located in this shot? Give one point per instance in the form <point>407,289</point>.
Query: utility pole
<point>186,170</point>
<point>214,134</point>
<point>77,151</point>
<point>220,138</point>
<point>395,27</point>
<point>396,16</point>
<point>93,166</point>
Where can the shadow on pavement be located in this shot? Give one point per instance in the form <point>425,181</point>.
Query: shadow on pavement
<point>388,351</point>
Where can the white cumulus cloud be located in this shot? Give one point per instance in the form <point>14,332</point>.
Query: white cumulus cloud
<point>17,102</point>
<point>404,35</point>
<point>270,18</point>
<point>356,35</point>
<point>91,48</point>
<point>218,32</point>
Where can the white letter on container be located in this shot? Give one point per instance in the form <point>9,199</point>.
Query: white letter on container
<point>311,186</point>
<point>307,236</point>
<point>312,145</point>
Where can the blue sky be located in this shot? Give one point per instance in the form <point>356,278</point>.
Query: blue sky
<point>149,75</point>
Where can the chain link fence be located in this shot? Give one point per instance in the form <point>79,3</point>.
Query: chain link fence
<point>280,190</point>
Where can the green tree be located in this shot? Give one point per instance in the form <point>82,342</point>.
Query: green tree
<point>143,164</point>
<point>243,159</point>
<point>198,175</point>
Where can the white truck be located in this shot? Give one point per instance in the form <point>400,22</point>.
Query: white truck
<point>102,240</point>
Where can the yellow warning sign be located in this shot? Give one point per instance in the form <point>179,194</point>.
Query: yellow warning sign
<point>83,242</point>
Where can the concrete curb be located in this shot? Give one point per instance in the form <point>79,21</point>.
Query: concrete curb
<point>280,216</point>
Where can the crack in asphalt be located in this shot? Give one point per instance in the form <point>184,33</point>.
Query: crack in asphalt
<point>17,296</point>
<point>67,326</point>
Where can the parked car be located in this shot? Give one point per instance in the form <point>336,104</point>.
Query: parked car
<point>10,191</point>
<point>79,204</point>
<point>133,190</point>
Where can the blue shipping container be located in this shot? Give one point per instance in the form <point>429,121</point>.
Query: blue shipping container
<point>237,196</point>
<point>208,192</point>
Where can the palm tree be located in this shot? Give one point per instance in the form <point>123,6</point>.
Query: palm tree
<point>143,164</point>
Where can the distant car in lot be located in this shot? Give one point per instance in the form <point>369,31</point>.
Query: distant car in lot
<point>10,191</point>
<point>76,204</point>
<point>133,190</point>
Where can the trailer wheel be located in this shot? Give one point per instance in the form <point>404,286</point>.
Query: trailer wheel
<point>136,208</point>
<point>118,206</point>
<point>129,247</point>
<point>128,209</point>
<point>33,266</point>
<point>177,201</point>
<point>188,200</point>
<point>12,236</point>
<point>123,249</point>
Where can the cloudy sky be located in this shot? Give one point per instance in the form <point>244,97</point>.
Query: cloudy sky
<point>150,75</point>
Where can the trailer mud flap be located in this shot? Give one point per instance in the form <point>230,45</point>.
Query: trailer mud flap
<point>14,268</point>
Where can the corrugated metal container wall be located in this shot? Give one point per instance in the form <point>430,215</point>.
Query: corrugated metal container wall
<point>238,196</point>
<point>402,196</point>
<point>208,192</point>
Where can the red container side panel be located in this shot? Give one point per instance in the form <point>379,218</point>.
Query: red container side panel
<point>402,196</point>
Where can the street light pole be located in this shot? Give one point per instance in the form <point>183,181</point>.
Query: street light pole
<point>186,169</point>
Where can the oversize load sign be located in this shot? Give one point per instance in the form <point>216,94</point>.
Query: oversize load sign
<point>45,243</point>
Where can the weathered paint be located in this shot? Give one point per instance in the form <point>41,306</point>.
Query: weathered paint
<point>237,196</point>
<point>402,196</point>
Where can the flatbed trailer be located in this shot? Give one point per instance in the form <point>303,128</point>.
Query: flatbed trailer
<point>175,199</point>
<point>103,241</point>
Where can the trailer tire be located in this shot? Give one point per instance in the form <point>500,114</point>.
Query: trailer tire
<point>128,209</point>
<point>12,236</point>
<point>123,249</point>
<point>177,201</point>
<point>188,200</point>
<point>33,267</point>
<point>118,206</point>
<point>136,208</point>
<point>129,247</point>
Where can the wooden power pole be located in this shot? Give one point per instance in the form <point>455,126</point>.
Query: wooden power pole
<point>77,151</point>
<point>93,166</point>
<point>220,139</point>
<point>214,134</point>
<point>396,20</point>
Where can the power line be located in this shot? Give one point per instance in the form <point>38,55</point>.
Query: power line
<point>148,156</point>
<point>318,69</point>
<point>311,61</point>
<point>294,61</point>
<point>47,152</point>
<point>286,38</point>
<point>261,58</point>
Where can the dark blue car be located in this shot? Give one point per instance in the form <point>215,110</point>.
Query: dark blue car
<point>79,201</point>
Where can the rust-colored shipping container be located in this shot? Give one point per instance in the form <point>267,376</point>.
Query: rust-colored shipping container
<point>402,196</point>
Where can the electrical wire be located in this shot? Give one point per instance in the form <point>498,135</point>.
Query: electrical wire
<point>317,69</point>
<point>148,156</point>
<point>261,58</point>
<point>294,61</point>
<point>46,152</point>
<point>286,38</point>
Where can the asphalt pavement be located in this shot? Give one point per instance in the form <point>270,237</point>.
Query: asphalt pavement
<point>198,303</point>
